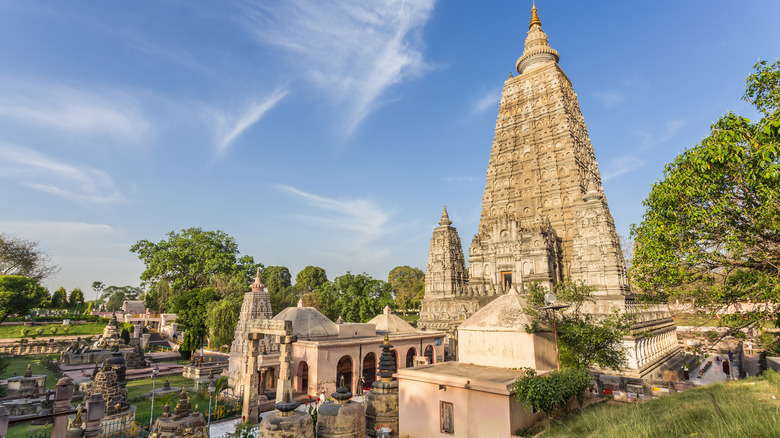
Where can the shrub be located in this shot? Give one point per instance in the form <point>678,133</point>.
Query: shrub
<point>552,391</point>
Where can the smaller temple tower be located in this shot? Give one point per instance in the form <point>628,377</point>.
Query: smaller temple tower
<point>256,305</point>
<point>446,301</point>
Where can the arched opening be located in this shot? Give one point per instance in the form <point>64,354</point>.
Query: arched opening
<point>395,358</point>
<point>344,370</point>
<point>303,377</point>
<point>410,357</point>
<point>429,353</point>
<point>369,370</point>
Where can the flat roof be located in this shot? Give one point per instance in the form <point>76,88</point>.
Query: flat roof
<point>464,375</point>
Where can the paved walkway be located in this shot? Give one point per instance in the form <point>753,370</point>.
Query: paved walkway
<point>714,373</point>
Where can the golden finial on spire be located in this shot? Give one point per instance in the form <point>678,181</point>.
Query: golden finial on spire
<point>535,21</point>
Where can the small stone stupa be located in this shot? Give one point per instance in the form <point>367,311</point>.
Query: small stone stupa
<point>107,383</point>
<point>137,359</point>
<point>257,304</point>
<point>287,422</point>
<point>382,401</point>
<point>183,423</point>
<point>342,418</point>
<point>111,337</point>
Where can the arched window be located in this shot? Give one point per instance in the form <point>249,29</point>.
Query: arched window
<point>369,370</point>
<point>410,357</point>
<point>344,370</point>
<point>303,377</point>
<point>429,353</point>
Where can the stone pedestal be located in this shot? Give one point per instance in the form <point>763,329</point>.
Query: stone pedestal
<point>287,422</point>
<point>382,408</point>
<point>341,418</point>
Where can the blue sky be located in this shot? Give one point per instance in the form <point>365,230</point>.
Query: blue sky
<point>328,133</point>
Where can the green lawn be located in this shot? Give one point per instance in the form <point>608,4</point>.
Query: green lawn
<point>19,365</point>
<point>82,329</point>
<point>746,406</point>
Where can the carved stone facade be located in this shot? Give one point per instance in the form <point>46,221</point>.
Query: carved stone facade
<point>544,214</point>
<point>256,305</point>
<point>446,302</point>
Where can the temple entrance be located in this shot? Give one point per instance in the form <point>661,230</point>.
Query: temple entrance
<point>303,377</point>
<point>429,353</point>
<point>506,280</point>
<point>269,382</point>
<point>410,357</point>
<point>369,370</point>
<point>344,370</point>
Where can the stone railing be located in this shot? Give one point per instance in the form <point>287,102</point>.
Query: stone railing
<point>31,348</point>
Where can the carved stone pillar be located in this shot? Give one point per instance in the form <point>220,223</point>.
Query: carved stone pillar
<point>62,403</point>
<point>96,410</point>
<point>249,408</point>
<point>284,382</point>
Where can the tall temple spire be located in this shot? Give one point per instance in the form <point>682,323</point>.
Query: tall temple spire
<point>445,218</point>
<point>537,49</point>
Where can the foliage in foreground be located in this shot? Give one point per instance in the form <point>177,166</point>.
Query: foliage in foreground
<point>550,392</point>
<point>711,231</point>
<point>746,410</point>
<point>584,339</point>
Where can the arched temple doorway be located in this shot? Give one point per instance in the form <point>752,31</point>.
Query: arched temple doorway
<point>344,370</point>
<point>429,353</point>
<point>303,377</point>
<point>410,357</point>
<point>369,370</point>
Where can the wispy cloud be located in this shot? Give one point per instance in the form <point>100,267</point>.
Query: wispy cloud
<point>229,128</point>
<point>611,98</point>
<point>354,49</point>
<point>487,101</point>
<point>360,217</point>
<point>459,179</point>
<point>660,135</point>
<point>620,165</point>
<point>101,112</point>
<point>79,184</point>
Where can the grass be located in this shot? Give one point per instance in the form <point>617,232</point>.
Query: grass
<point>82,329</point>
<point>411,318</point>
<point>18,364</point>
<point>746,410</point>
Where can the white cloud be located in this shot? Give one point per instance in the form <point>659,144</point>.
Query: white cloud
<point>610,98</point>
<point>230,128</point>
<point>660,136</point>
<point>362,218</point>
<point>488,101</point>
<point>620,165</point>
<point>79,184</point>
<point>459,179</point>
<point>355,49</point>
<point>101,112</point>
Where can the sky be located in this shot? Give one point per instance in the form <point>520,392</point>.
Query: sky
<point>328,133</point>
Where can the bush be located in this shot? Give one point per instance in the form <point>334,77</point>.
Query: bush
<point>552,391</point>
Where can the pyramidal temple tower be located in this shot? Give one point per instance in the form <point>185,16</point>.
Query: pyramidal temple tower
<point>544,214</point>
<point>256,304</point>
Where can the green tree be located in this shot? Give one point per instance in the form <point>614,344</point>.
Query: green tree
<point>192,308</point>
<point>59,299</point>
<point>409,286</point>
<point>711,229</point>
<point>310,278</point>
<point>115,296</point>
<point>278,282</point>
<point>24,258</point>
<point>97,287</point>
<point>583,339</point>
<point>188,259</point>
<point>76,298</point>
<point>221,321</point>
<point>19,294</point>
<point>355,298</point>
